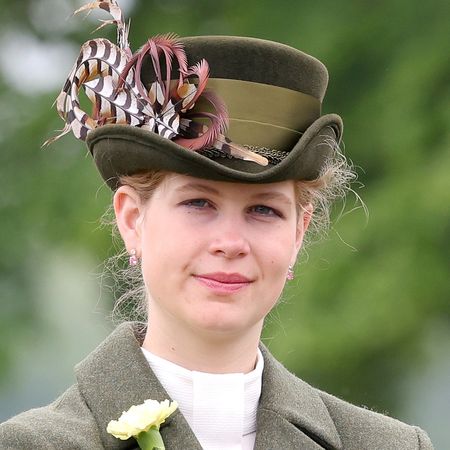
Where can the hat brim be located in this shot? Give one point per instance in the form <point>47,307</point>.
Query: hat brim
<point>125,150</point>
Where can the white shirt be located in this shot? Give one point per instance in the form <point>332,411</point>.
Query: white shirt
<point>220,408</point>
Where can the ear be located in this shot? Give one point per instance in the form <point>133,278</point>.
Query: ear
<point>129,212</point>
<point>302,225</point>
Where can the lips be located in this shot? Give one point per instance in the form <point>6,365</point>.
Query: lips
<point>223,283</point>
<point>222,277</point>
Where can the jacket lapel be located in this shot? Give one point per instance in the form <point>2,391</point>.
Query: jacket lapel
<point>116,376</point>
<point>291,413</point>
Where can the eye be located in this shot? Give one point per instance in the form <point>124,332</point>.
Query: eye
<point>264,210</point>
<point>198,203</point>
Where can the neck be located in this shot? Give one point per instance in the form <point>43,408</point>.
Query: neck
<point>204,351</point>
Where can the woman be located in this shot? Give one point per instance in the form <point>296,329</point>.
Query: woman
<point>213,193</point>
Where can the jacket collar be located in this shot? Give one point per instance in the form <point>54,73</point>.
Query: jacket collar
<point>116,375</point>
<point>291,412</point>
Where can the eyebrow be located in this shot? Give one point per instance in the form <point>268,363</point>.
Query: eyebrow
<point>271,195</point>
<point>197,187</point>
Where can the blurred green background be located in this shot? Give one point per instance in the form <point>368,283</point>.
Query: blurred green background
<point>368,316</point>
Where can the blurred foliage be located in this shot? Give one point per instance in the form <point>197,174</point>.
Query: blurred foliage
<point>354,320</point>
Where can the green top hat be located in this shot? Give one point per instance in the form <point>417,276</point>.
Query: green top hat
<point>246,110</point>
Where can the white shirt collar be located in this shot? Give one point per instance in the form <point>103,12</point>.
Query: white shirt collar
<point>220,408</point>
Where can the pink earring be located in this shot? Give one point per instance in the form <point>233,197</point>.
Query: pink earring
<point>133,260</point>
<point>290,273</point>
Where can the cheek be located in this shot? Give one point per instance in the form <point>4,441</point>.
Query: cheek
<point>280,249</point>
<point>277,256</point>
<point>167,252</point>
<point>157,235</point>
<point>156,252</point>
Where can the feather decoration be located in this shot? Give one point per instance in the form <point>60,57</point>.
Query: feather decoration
<point>238,151</point>
<point>113,8</point>
<point>205,136</point>
<point>97,69</point>
<point>110,76</point>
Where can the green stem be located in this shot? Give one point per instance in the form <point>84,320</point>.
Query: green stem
<point>150,440</point>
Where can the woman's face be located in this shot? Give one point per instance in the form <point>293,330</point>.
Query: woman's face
<point>215,255</point>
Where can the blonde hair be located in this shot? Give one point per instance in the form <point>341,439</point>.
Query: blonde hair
<point>333,183</point>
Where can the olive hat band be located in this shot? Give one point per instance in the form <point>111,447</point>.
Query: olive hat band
<point>263,115</point>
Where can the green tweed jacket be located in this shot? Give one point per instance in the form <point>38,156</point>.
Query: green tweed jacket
<point>291,414</point>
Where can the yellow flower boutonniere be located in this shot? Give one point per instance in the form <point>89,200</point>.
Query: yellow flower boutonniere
<point>142,422</point>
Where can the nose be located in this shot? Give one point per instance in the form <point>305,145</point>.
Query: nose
<point>229,241</point>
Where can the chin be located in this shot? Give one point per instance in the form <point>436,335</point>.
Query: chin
<point>224,319</point>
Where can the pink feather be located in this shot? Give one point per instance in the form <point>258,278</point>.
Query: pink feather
<point>218,123</point>
<point>201,70</point>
